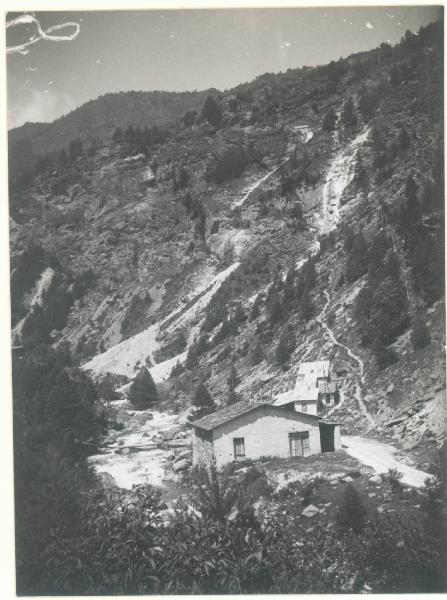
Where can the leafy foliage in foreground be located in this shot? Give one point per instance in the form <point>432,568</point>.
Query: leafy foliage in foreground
<point>122,547</point>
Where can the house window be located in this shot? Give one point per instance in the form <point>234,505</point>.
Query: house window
<point>299,443</point>
<point>239,448</point>
<point>304,406</point>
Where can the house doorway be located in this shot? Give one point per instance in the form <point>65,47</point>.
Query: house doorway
<point>299,443</point>
<point>327,437</point>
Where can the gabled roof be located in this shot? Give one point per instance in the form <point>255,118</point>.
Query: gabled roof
<point>224,415</point>
<point>284,398</point>
<point>291,396</point>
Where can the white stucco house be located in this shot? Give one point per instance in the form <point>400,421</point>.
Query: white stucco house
<point>314,392</point>
<point>249,430</point>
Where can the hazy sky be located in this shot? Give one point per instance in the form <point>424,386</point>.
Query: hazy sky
<point>184,50</point>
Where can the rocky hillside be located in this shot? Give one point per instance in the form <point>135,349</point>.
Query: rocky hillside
<point>298,216</point>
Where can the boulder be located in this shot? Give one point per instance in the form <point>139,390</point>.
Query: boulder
<point>375,479</point>
<point>181,465</point>
<point>347,479</point>
<point>380,509</point>
<point>182,455</point>
<point>310,511</point>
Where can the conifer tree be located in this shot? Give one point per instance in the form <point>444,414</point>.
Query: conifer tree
<point>232,397</point>
<point>389,310</point>
<point>289,290</point>
<point>256,307</point>
<point>275,310</point>
<point>306,306</point>
<point>420,334</point>
<point>257,354</point>
<point>377,252</point>
<point>212,112</point>
<point>233,378</point>
<point>348,116</point>
<point>357,262</point>
<point>360,174</point>
<point>384,356</point>
<point>351,513</point>
<point>330,120</point>
<point>143,391</point>
<point>286,346</point>
<point>403,139</point>
<point>202,397</point>
<point>412,211</point>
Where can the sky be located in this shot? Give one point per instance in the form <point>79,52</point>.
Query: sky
<point>179,50</point>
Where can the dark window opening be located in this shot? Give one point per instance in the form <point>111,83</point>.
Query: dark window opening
<point>239,448</point>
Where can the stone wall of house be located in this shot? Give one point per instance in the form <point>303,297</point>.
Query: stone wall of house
<point>202,447</point>
<point>265,432</point>
<point>337,437</point>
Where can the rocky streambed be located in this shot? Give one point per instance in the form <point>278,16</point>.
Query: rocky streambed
<point>153,447</point>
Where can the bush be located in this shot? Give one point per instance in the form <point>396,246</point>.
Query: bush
<point>257,355</point>
<point>83,281</point>
<point>393,476</point>
<point>384,356</point>
<point>143,391</point>
<point>351,513</point>
<point>228,165</point>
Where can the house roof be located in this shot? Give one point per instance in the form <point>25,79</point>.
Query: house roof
<point>284,398</point>
<point>290,396</point>
<point>224,415</point>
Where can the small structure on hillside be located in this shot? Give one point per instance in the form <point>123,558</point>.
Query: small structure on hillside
<point>314,392</point>
<point>249,430</point>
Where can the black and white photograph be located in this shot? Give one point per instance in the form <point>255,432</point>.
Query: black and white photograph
<point>227,300</point>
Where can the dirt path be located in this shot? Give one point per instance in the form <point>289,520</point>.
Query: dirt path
<point>360,379</point>
<point>380,457</point>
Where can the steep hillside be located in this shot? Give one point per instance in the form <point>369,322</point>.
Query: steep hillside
<point>95,121</point>
<point>299,216</point>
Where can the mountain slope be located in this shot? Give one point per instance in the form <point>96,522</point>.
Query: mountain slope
<point>305,224</point>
